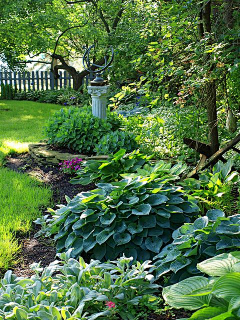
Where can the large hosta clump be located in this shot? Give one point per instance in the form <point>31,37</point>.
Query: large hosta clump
<point>134,217</point>
<point>194,242</point>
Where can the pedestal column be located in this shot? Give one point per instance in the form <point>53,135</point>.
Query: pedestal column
<point>99,100</point>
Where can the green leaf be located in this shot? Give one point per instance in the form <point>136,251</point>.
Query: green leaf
<point>153,244</point>
<point>70,239</point>
<point>213,214</point>
<point>78,247</point>
<point>134,228</point>
<point>108,218</point>
<point>200,223</point>
<point>99,251</point>
<point>228,286</point>
<point>157,199</point>
<point>163,213</point>
<point>122,238</point>
<point>142,209</point>
<point>209,313</point>
<point>148,222</point>
<point>178,295</point>
<point>103,236</point>
<point>89,243</point>
<point>173,209</point>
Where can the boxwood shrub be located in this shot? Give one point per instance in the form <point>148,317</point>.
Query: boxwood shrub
<point>135,217</point>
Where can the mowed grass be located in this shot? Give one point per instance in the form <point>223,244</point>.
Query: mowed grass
<point>22,197</point>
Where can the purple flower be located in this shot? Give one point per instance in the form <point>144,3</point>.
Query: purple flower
<point>72,98</point>
<point>65,103</point>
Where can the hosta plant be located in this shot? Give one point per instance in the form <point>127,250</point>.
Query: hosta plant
<point>135,217</point>
<point>194,242</point>
<point>111,169</point>
<point>123,164</point>
<point>216,298</point>
<point>71,289</point>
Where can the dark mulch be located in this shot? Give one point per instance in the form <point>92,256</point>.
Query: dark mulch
<point>38,250</point>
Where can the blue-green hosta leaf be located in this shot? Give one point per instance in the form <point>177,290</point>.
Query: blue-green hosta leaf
<point>122,238</point>
<point>89,243</point>
<point>153,244</point>
<point>78,247</point>
<point>209,313</point>
<point>177,218</point>
<point>134,228</point>
<point>226,227</point>
<point>173,209</point>
<point>79,224</point>
<point>155,232</point>
<point>178,295</point>
<point>137,240</point>
<point>142,209</point>
<point>213,214</point>
<point>108,218</point>
<point>103,236</point>
<point>157,199</point>
<point>163,213</point>
<point>175,200</point>
<point>99,251</point>
<point>99,314</point>
<point>148,222</point>
<point>224,243</point>
<point>70,219</point>
<point>121,227</point>
<point>86,213</point>
<point>133,200</point>
<point>70,239</point>
<point>189,207</point>
<point>180,263</point>
<point>61,234</point>
<point>200,223</point>
<point>131,253</point>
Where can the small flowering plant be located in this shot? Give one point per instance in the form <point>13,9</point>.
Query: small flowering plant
<point>70,166</point>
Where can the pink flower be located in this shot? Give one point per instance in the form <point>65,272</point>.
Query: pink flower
<point>110,304</point>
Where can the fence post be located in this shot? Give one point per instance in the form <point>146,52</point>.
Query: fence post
<point>37,79</point>
<point>46,80</point>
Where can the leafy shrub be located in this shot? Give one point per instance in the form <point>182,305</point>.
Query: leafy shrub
<point>134,217</point>
<point>111,169</point>
<point>7,91</point>
<point>121,164</point>
<point>214,189</point>
<point>76,290</point>
<point>194,242</point>
<point>113,141</point>
<point>218,298</point>
<point>76,129</point>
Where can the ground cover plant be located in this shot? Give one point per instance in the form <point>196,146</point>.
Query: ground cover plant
<point>214,188</point>
<point>21,196</point>
<point>71,289</point>
<point>194,242</point>
<point>216,297</point>
<point>134,217</point>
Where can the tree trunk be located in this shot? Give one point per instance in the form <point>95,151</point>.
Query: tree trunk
<point>212,116</point>
<point>210,89</point>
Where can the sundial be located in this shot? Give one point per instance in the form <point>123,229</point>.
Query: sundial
<point>90,66</point>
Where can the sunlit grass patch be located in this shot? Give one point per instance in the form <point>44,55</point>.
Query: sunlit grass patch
<point>22,197</point>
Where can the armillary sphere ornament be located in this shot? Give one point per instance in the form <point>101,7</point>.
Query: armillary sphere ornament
<point>88,65</point>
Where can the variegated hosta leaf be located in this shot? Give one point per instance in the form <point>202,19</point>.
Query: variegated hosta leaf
<point>220,265</point>
<point>179,294</point>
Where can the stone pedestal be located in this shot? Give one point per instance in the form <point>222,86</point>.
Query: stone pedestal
<point>99,100</point>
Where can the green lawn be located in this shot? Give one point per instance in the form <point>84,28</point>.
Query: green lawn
<point>21,196</point>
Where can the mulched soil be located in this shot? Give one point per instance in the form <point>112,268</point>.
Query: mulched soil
<point>34,250</point>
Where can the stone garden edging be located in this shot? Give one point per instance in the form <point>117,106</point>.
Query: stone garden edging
<point>42,154</point>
